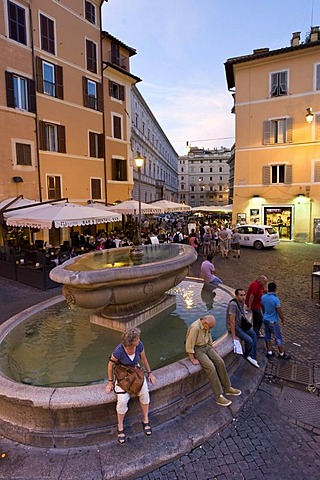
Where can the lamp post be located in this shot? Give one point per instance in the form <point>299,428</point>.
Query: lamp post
<point>137,250</point>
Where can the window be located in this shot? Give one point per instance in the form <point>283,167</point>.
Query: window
<point>54,187</point>
<point>202,188</point>
<point>220,169</point>
<point>20,92</point>
<point>116,91</point>
<point>17,23</point>
<point>278,131</point>
<point>201,170</point>
<point>115,53</point>
<point>279,84</point>
<point>90,12</point>
<point>119,169</point>
<point>117,127</point>
<point>92,94</point>
<point>23,154</point>
<point>49,78</point>
<point>182,178</point>
<point>91,52</point>
<point>274,174</point>
<point>96,189</point>
<point>317,171</point>
<point>96,145</point>
<point>211,169</point>
<point>52,138</point>
<point>47,34</point>
<point>182,186</point>
<point>317,126</point>
<point>317,76</point>
<point>192,188</point>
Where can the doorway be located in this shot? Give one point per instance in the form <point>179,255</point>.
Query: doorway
<point>281,219</point>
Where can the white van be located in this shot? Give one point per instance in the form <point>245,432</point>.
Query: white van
<point>258,236</point>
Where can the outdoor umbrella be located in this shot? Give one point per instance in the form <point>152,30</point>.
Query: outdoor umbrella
<point>131,207</point>
<point>167,206</point>
<point>60,215</point>
<point>213,209</point>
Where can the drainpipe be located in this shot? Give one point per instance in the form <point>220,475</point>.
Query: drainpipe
<point>36,114</point>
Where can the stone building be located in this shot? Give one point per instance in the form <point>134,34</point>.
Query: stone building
<point>204,177</point>
<point>159,174</point>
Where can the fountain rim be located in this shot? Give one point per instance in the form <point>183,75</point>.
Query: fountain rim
<point>78,278</point>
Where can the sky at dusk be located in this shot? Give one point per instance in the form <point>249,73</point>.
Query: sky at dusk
<point>181,49</point>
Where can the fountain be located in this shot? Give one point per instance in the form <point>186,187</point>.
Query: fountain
<point>50,415</point>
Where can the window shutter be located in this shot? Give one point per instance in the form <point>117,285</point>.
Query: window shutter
<point>101,145</point>
<point>267,132</point>
<point>317,171</point>
<point>42,135</point>
<point>10,90</point>
<point>61,138</point>
<point>289,130</point>
<point>116,127</point>
<point>58,72</point>
<point>85,91</point>
<point>32,95</point>
<point>114,169</point>
<point>121,92</point>
<point>39,75</point>
<point>288,174</point>
<point>283,83</point>
<point>100,97</point>
<point>274,84</point>
<point>318,76</point>
<point>92,144</point>
<point>265,175</point>
<point>110,88</point>
<point>317,126</point>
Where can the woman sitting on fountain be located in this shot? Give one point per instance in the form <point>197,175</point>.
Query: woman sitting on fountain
<point>129,352</point>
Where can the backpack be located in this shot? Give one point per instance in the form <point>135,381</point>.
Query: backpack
<point>176,238</point>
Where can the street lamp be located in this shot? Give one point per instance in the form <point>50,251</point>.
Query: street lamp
<point>137,250</point>
<point>309,116</point>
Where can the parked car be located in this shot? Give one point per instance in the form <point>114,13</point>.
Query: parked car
<point>258,236</point>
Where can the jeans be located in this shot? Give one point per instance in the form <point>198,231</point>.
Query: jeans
<point>256,320</point>
<point>250,342</point>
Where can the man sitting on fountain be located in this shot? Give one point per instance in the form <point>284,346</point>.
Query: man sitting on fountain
<point>199,347</point>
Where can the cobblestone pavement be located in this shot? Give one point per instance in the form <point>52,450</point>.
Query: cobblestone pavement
<point>277,435</point>
<point>273,438</point>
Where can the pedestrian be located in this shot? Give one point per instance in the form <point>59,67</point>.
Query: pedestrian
<point>223,242</point>
<point>240,330</point>
<point>253,301</point>
<point>235,243</point>
<point>200,349</point>
<point>272,314</point>
<point>129,352</point>
<point>206,241</point>
<point>207,272</point>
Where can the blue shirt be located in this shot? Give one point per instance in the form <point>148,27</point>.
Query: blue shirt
<point>121,355</point>
<point>270,303</point>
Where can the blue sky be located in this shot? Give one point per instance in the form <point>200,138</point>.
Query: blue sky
<point>181,49</point>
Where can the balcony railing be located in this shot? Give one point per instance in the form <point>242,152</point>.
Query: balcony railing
<point>119,60</point>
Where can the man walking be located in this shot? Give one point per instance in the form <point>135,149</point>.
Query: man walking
<point>235,313</point>
<point>272,313</point>
<point>253,301</point>
<point>199,347</point>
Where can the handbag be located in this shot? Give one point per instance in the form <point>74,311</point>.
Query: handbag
<point>130,379</point>
<point>245,325</point>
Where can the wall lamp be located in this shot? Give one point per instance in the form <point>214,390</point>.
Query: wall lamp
<point>17,179</point>
<point>255,196</point>
<point>309,116</point>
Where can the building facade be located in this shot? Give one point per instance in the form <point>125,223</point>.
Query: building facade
<point>277,152</point>
<point>204,177</point>
<point>159,174</point>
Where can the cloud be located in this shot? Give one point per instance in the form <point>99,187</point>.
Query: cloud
<point>199,115</point>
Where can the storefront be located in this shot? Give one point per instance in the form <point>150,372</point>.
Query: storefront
<point>279,217</point>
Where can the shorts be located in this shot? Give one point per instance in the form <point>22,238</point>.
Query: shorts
<point>123,398</point>
<point>271,328</point>
<point>235,246</point>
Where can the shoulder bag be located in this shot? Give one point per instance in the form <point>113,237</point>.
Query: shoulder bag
<point>245,324</point>
<point>130,379</point>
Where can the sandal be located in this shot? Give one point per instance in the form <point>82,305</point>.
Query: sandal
<point>121,439</point>
<point>147,430</point>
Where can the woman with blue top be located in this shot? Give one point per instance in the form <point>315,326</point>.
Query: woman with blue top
<point>130,352</point>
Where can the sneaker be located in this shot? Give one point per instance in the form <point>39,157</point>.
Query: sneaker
<point>224,402</point>
<point>233,391</point>
<point>253,362</point>
<point>285,356</point>
<point>269,355</point>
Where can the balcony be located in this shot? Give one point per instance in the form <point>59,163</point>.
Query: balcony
<point>118,60</point>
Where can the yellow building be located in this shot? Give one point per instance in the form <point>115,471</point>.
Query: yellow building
<point>277,152</point>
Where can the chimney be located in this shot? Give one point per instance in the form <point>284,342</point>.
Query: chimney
<point>295,39</point>
<point>314,34</point>
<point>259,51</point>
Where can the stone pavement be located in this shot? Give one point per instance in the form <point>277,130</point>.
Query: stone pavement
<point>275,436</point>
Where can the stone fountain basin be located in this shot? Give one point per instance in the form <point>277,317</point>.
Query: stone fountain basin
<point>77,416</point>
<point>144,283</point>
